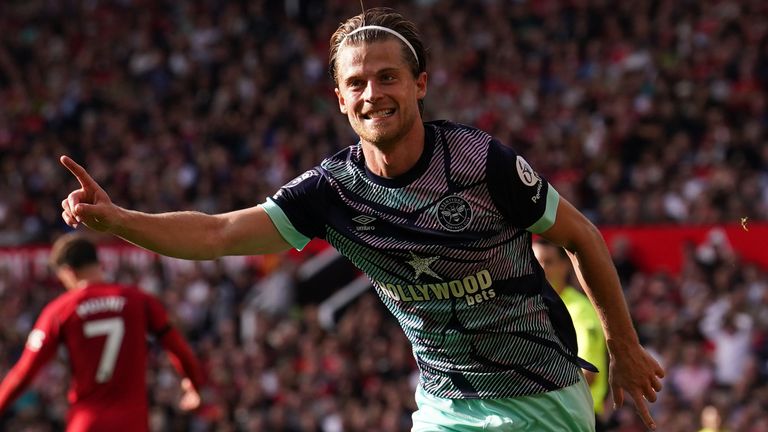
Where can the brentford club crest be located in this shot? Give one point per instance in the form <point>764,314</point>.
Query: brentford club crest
<point>454,213</point>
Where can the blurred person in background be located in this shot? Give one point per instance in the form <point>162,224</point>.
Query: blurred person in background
<point>711,420</point>
<point>589,333</point>
<point>439,215</point>
<point>104,327</point>
<point>692,376</point>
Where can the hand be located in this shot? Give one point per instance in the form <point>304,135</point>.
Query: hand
<point>634,370</point>
<point>190,398</point>
<point>90,204</point>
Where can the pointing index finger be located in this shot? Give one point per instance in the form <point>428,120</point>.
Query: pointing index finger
<point>86,181</point>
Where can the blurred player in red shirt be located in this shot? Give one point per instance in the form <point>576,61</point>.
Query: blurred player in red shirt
<point>104,328</point>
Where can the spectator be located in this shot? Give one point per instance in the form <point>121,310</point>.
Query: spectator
<point>693,376</point>
<point>711,420</point>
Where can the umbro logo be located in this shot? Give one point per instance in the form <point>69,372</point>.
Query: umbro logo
<point>365,222</point>
<point>364,219</point>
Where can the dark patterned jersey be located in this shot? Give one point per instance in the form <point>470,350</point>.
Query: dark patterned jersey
<point>447,247</point>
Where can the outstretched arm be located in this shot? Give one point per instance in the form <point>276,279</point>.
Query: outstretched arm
<point>631,369</point>
<point>184,234</point>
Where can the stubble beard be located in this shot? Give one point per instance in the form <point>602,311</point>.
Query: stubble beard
<point>382,138</point>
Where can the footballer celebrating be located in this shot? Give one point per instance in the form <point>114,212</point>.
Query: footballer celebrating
<point>440,217</point>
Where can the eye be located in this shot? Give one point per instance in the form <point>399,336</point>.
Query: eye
<point>388,77</point>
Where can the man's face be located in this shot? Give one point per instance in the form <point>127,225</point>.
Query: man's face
<point>555,266</point>
<point>377,91</point>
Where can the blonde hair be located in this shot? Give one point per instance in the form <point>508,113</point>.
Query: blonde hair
<point>351,31</point>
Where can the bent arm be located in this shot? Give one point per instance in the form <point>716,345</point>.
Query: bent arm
<point>183,358</point>
<point>631,369</point>
<point>595,270</point>
<point>199,236</point>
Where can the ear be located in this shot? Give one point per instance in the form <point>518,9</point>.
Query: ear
<point>421,85</point>
<point>340,97</point>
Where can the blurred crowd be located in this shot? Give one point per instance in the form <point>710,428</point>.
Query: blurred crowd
<point>648,111</point>
<point>639,112</point>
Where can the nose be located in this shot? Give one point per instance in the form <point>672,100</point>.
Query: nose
<point>372,91</point>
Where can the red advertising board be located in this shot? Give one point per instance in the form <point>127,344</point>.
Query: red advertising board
<point>652,248</point>
<point>662,248</point>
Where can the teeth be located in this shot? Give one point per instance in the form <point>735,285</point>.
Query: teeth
<point>382,113</point>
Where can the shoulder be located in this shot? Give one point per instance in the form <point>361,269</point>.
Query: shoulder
<point>459,132</point>
<point>448,125</point>
<point>63,303</point>
<point>114,296</point>
<point>57,311</point>
<point>468,140</point>
<point>107,288</point>
<point>308,186</point>
<point>330,167</point>
<point>135,293</point>
<point>351,154</point>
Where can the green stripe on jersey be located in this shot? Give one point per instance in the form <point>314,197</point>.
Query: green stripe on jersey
<point>284,226</point>
<point>546,220</point>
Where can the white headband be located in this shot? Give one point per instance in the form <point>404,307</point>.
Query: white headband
<point>385,29</point>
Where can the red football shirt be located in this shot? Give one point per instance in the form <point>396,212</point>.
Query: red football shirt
<point>104,328</point>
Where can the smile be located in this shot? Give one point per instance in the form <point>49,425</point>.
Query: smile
<point>379,114</point>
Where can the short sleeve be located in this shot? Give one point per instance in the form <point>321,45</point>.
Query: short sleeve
<point>525,198</point>
<point>297,208</point>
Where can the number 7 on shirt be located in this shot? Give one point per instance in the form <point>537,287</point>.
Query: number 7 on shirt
<point>114,329</point>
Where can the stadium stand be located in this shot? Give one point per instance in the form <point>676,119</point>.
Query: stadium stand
<point>644,114</point>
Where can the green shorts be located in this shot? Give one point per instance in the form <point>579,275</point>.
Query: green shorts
<point>566,410</point>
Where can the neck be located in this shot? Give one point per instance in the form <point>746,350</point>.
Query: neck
<point>82,283</point>
<point>397,158</point>
<point>87,276</point>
